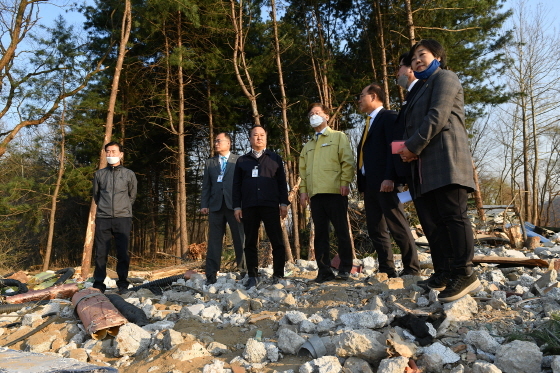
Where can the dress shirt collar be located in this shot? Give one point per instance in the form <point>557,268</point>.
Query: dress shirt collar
<point>374,113</point>
<point>227,156</point>
<point>412,85</point>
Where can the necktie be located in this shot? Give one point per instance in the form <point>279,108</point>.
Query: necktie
<point>224,164</point>
<point>361,157</point>
<point>317,136</point>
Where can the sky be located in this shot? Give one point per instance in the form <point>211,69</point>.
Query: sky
<point>48,12</point>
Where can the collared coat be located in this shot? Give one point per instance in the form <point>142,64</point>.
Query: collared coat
<point>435,131</point>
<point>327,164</point>
<point>212,190</point>
<point>267,187</point>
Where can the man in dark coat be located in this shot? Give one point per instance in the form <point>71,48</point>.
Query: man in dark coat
<point>260,193</point>
<point>376,179</point>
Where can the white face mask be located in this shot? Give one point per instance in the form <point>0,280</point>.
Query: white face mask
<point>315,120</point>
<point>113,160</point>
<point>403,81</point>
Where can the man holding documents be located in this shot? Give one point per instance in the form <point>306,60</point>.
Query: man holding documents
<point>376,176</point>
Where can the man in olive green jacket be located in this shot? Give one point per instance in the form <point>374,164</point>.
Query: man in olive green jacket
<point>326,167</point>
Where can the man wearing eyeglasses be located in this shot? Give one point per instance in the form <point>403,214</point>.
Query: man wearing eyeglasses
<point>376,179</point>
<point>217,202</point>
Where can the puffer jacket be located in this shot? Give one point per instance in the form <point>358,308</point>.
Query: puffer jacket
<point>114,192</point>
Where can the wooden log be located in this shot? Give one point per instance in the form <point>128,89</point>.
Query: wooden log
<point>511,262</point>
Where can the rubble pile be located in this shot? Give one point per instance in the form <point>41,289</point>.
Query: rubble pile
<point>369,323</point>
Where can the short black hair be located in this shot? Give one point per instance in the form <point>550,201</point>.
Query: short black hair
<point>375,89</point>
<point>114,143</point>
<point>434,47</point>
<point>256,126</point>
<point>226,135</point>
<point>405,59</point>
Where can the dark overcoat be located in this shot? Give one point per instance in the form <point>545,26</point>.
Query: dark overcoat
<point>435,131</point>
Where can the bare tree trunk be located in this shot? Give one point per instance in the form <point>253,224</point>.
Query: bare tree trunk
<point>311,250</point>
<point>477,195</point>
<point>410,22</point>
<point>385,77</point>
<point>125,34</point>
<point>287,150</point>
<point>239,58</point>
<point>181,143</point>
<point>210,118</point>
<point>54,197</point>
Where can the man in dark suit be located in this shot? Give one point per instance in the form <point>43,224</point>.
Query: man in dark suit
<point>260,193</point>
<point>376,179</point>
<point>216,200</point>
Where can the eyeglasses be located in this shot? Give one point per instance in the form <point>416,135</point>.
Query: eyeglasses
<point>218,141</point>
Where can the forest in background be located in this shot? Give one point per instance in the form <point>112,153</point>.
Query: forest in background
<point>163,77</point>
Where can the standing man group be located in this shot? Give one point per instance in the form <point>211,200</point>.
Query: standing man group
<point>114,192</point>
<point>326,167</point>
<point>216,201</point>
<point>376,179</point>
<point>260,193</point>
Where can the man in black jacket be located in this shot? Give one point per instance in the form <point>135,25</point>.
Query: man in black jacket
<point>114,192</point>
<point>260,193</point>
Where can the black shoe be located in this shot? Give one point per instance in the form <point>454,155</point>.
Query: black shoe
<point>391,274</point>
<point>122,290</point>
<point>459,286</point>
<point>408,272</point>
<point>324,277</point>
<point>210,279</point>
<point>437,281</point>
<point>343,275</point>
<point>276,279</point>
<point>251,283</point>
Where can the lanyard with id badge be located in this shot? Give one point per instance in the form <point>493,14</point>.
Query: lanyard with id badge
<point>255,172</point>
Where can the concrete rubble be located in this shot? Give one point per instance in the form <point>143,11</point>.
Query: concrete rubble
<point>369,323</point>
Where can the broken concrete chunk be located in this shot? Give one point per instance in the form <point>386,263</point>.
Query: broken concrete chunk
<point>217,349</point>
<point>12,361</point>
<point>295,317</point>
<point>255,351</point>
<point>171,338</point>
<point>393,365</point>
<point>289,341</point>
<point>481,339</point>
<point>519,357</point>
<point>362,343</point>
<point>131,340</point>
<point>235,298</point>
<point>364,319</point>
<point>462,309</point>
<point>272,352</point>
<point>355,365</point>
<point>447,355</point>
<point>189,351</point>
<point>484,367</point>
<point>325,364</point>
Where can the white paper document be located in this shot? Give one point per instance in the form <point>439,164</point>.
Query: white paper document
<point>405,197</point>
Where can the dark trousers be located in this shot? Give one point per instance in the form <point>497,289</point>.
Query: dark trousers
<point>385,213</point>
<point>326,209</point>
<point>216,229</point>
<point>430,231</point>
<point>105,230</point>
<point>270,216</point>
<point>449,233</point>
